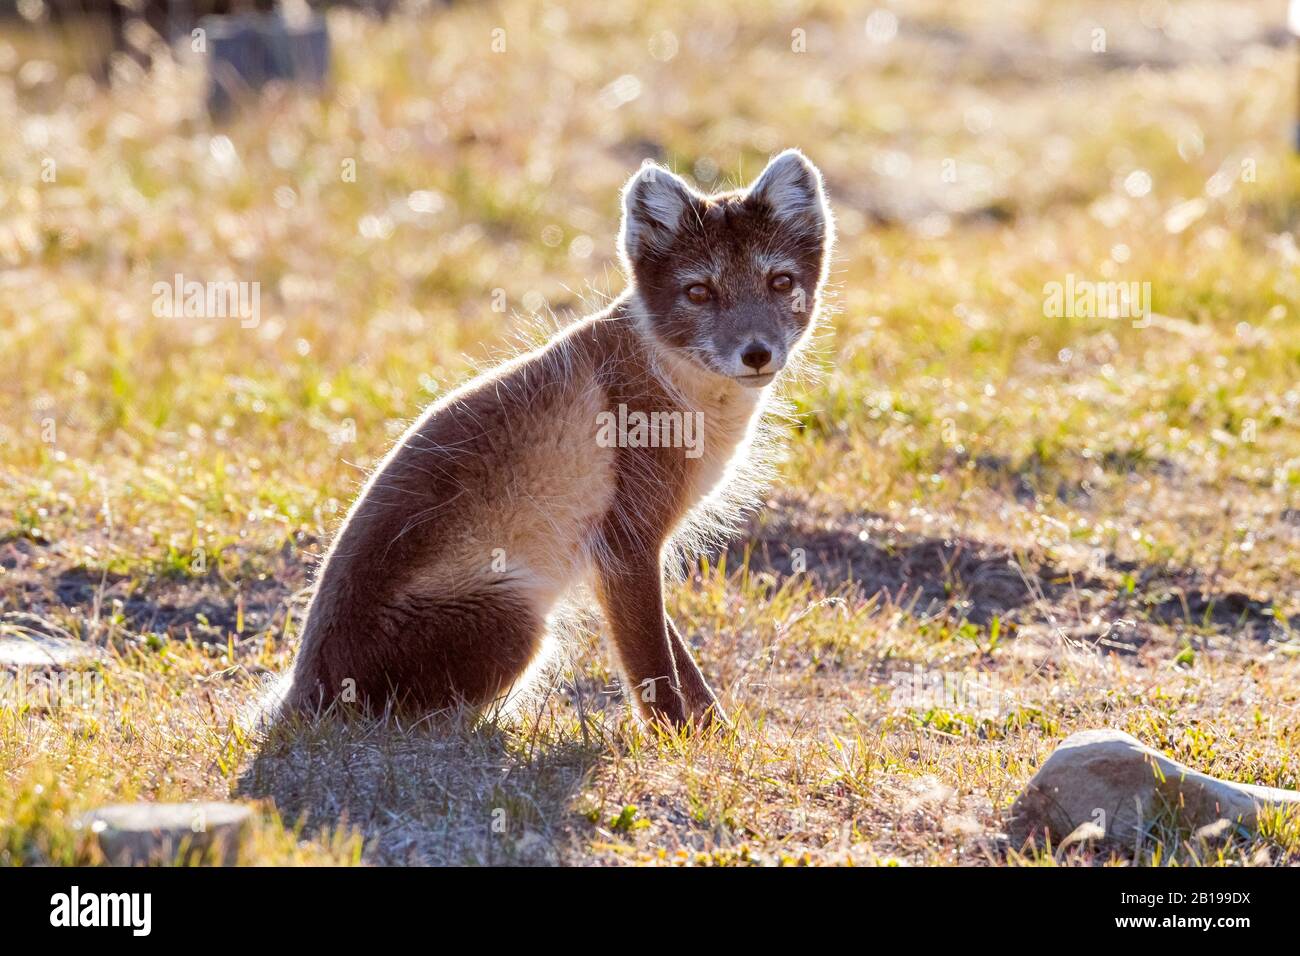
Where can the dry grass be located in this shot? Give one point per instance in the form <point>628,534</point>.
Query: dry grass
<point>1012,527</point>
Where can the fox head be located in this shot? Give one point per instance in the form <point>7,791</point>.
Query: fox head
<point>731,281</point>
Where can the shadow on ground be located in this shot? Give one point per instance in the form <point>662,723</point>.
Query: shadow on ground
<point>428,795</point>
<point>966,578</point>
<point>206,607</point>
<point>954,576</point>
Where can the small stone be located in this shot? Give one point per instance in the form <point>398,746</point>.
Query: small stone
<point>132,834</point>
<point>1112,781</point>
<point>42,650</point>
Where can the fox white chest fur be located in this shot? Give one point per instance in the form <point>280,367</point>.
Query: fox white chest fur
<point>523,483</point>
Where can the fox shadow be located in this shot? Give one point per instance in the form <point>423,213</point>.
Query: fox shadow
<point>439,792</point>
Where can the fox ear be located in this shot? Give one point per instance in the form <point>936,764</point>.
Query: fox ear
<point>791,189</point>
<point>654,202</point>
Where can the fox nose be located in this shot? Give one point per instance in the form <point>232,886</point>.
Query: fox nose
<point>756,355</point>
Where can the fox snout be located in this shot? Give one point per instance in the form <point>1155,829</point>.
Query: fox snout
<point>760,363</point>
<point>758,357</point>
<point>753,353</point>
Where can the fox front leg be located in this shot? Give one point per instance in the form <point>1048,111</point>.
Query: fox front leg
<point>702,704</point>
<point>632,597</point>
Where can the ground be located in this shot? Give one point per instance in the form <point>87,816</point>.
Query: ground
<point>996,523</point>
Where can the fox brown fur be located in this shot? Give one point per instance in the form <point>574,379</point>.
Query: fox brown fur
<point>505,494</point>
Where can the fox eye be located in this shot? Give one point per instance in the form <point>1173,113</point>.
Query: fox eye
<point>781,283</point>
<point>699,293</point>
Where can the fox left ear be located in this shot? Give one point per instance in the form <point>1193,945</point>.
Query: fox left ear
<point>791,188</point>
<point>654,204</point>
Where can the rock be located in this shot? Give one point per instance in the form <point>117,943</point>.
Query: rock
<point>31,649</point>
<point>45,672</point>
<point>1112,781</point>
<point>158,833</point>
<point>249,51</point>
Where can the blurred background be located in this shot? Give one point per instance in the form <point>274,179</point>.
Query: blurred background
<point>399,180</point>
<point>402,181</point>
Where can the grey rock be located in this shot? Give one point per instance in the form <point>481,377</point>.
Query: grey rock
<point>41,650</point>
<point>131,834</point>
<point>1118,785</point>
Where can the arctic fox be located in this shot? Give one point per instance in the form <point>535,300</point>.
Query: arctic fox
<point>579,462</point>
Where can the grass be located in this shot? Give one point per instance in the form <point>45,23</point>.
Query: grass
<point>993,527</point>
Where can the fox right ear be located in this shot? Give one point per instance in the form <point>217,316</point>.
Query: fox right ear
<point>654,202</point>
<point>791,187</point>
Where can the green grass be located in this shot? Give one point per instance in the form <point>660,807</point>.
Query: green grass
<point>1095,523</point>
